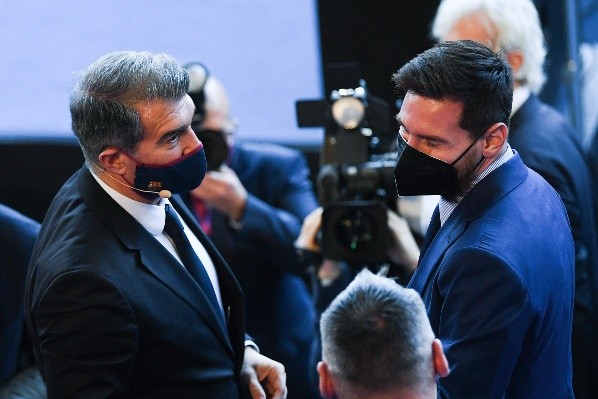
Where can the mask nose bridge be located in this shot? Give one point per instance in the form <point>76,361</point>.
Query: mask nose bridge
<point>402,144</point>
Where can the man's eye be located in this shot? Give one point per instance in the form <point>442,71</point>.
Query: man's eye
<point>173,139</point>
<point>431,143</point>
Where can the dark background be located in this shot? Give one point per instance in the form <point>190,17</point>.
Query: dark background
<point>380,35</point>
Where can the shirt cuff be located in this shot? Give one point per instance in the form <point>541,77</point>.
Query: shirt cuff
<point>252,344</point>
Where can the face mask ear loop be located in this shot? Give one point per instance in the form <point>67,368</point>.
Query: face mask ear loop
<point>479,163</point>
<point>466,151</point>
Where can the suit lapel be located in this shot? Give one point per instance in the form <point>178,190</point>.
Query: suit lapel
<point>485,194</point>
<point>230,290</point>
<point>431,232</point>
<point>154,257</point>
<point>431,258</point>
<point>164,267</point>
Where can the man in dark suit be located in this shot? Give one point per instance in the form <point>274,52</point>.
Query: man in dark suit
<point>17,236</point>
<point>252,202</point>
<point>496,270</point>
<point>546,143</point>
<point>113,306</point>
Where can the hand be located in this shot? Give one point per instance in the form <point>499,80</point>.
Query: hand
<point>307,238</point>
<point>403,249</point>
<point>329,270</point>
<point>261,372</point>
<point>223,190</point>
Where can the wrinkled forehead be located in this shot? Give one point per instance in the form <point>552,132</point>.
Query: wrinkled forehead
<point>474,26</point>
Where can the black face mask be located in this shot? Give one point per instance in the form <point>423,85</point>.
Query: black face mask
<point>215,145</point>
<point>417,173</point>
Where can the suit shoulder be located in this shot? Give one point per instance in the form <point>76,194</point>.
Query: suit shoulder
<point>71,238</point>
<point>267,151</point>
<point>15,224</point>
<point>540,127</point>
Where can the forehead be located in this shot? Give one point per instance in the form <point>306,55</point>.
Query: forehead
<point>160,116</point>
<point>475,26</point>
<point>428,115</point>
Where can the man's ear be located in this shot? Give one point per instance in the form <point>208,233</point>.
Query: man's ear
<point>516,59</point>
<point>113,160</point>
<point>496,136</point>
<point>441,367</point>
<point>326,387</point>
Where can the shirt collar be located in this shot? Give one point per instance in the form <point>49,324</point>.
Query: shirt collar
<point>447,207</point>
<point>151,217</point>
<point>520,95</point>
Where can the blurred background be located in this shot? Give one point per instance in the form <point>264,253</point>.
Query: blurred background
<point>267,53</point>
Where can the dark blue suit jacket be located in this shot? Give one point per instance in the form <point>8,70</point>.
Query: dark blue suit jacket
<point>17,236</point>
<point>113,314</point>
<point>548,145</point>
<point>497,281</point>
<point>280,315</point>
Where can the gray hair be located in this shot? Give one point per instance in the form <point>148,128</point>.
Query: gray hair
<point>102,102</point>
<point>376,336</point>
<point>518,27</point>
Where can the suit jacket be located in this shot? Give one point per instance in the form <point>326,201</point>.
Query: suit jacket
<point>112,314</point>
<point>17,236</point>
<point>497,281</point>
<point>280,315</point>
<point>548,145</point>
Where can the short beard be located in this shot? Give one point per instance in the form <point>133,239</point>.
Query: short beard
<point>465,178</point>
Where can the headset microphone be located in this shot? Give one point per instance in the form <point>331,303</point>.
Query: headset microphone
<point>162,193</point>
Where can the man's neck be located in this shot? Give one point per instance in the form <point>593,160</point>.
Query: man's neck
<point>405,393</point>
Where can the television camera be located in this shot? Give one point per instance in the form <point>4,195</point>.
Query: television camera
<point>355,181</point>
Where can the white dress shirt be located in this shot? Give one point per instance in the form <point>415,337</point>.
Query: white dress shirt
<point>152,218</point>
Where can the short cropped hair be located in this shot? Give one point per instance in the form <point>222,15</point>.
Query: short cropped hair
<point>518,26</point>
<point>376,335</point>
<point>102,102</point>
<point>463,71</point>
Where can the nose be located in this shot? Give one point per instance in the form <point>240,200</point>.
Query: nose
<point>190,141</point>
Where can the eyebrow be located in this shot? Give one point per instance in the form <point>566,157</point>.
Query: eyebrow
<point>430,137</point>
<point>400,122</point>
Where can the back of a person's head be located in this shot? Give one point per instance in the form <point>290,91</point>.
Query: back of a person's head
<point>466,72</point>
<point>515,25</point>
<point>102,102</point>
<point>377,338</point>
<point>217,103</point>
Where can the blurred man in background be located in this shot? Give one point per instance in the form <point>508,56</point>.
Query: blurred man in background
<point>252,203</point>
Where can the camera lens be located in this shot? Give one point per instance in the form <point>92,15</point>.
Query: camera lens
<point>214,145</point>
<point>354,231</point>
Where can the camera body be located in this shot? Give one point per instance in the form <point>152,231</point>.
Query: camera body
<point>355,181</point>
